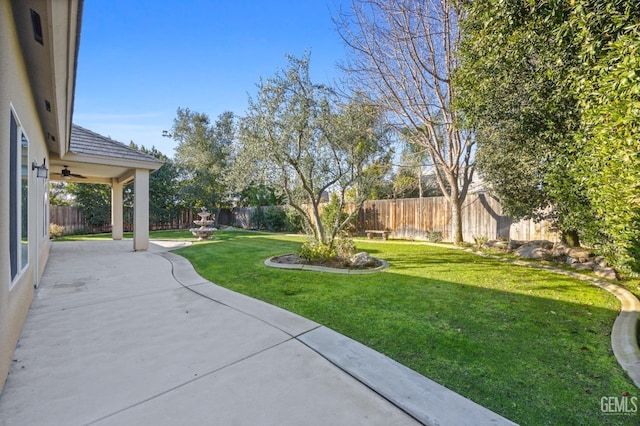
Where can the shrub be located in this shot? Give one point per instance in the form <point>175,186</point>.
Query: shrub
<point>314,251</point>
<point>344,248</point>
<point>295,221</point>
<point>275,219</point>
<point>435,236</point>
<point>479,240</point>
<point>55,231</point>
<point>82,230</point>
<point>257,220</point>
<point>332,213</point>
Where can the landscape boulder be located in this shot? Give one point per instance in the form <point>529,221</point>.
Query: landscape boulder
<point>559,250</point>
<point>538,249</point>
<point>579,258</point>
<point>605,272</point>
<point>601,261</point>
<point>580,254</point>
<point>496,244</point>
<point>586,266</point>
<point>362,260</point>
<point>515,244</point>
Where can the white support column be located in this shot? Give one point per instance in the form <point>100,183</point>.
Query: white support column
<point>141,210</point>
<point>117,221</point>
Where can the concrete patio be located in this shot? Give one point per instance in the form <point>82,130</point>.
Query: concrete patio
<point>116,337</point>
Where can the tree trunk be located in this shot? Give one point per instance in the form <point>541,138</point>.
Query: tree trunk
<point>456,219</point>
<point>216,218</point>
<point>317,225</point>
<point>570,238</point>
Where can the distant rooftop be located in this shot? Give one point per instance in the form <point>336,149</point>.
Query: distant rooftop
<point>85,141</point>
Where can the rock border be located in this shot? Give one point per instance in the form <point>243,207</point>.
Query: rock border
<point>301,266</point>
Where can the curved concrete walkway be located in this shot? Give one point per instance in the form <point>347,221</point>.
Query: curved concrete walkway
<point>116,337</point>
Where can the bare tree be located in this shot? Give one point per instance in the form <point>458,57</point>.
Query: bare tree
<point>402,53</point>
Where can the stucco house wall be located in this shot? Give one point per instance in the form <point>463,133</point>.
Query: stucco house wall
<point>39,41</point>
<point>17,98</point>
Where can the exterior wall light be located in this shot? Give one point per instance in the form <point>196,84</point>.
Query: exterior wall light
<point>42,171</point>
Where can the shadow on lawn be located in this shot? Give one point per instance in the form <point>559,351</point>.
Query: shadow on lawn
<point>523,347</point>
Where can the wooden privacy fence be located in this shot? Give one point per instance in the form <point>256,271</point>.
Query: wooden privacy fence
<point>415,218</point>
<point>70,217</point>
<point>240,217</point>
<point>73,220</point>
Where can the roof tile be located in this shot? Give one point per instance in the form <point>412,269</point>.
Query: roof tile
<point>85,141</point>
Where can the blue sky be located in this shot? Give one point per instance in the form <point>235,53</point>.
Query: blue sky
<point>141,60</point>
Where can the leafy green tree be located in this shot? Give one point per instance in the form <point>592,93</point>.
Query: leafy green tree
<point>514,90</point>
<point>58,194</point>
<point>164,196</point>
<point>203,157</point>
<point>607,85</point>
<point>95,201</point>
<point>402,54</point>
<point>298,137</point>
<point>552,90</point>
<point>414,176</point>
<point>258,195</point>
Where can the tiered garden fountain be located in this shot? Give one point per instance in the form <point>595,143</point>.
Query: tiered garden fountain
<point>205,231</point>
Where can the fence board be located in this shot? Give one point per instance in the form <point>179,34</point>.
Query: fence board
<point>412,219</point>
<point>416,218</point>
<point>72,219</point>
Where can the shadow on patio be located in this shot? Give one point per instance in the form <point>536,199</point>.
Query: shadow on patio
<point>121,337</point>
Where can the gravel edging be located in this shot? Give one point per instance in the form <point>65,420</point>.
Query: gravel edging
<point>299,266</point>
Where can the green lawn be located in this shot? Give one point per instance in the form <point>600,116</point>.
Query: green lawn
<point>530,345</point>
<point>156,235</point>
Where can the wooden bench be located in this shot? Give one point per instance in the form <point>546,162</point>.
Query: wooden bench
<point>383,234</point>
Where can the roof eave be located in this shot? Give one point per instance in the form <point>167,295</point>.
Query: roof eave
<point>65,18</point>
<point>151,165</point>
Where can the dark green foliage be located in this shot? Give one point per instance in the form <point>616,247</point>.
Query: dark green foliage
<point>203,158</point>
<point>275,219</point>
<point>608,88</point>
<point>94,200</point>
<point>334,219</point>
<point>58,194</point>
<point>513,87</point>
<point>256,221</point>
<point>258,195</point>
<point>164,197</point>
<point>552,89</point>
